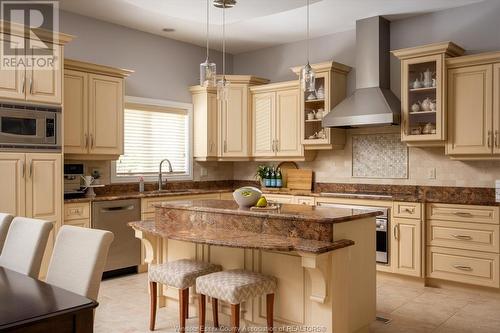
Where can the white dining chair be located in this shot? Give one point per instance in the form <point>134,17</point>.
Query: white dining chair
<point>25,245</point>
<point>5,220</point>
<point>78,260</point>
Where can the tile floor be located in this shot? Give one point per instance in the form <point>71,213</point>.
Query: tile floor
<point>124,308</point>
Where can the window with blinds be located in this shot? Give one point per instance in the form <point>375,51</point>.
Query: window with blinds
<point>151,134</point>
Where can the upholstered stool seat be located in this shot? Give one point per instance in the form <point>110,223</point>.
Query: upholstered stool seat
<point>180,274</point>
<point>235,286</point>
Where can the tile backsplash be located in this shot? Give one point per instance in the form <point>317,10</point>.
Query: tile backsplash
<point>379,156</point>
<point>335,166</point>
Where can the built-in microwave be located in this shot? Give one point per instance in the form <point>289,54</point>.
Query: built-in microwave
<point>30,127</point>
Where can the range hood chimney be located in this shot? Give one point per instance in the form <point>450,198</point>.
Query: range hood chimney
<point>373,103</point>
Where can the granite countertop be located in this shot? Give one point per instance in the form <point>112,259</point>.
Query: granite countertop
<point>237,238</point>
<point>289,212</point>
<point>147,194</point>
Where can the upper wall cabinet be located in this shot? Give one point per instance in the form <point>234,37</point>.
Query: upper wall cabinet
<point>331,84</point>
<point>205,123</point>
<point>222,129</point>
<point>235,118</point>
<point>276,121</point>
<point>32,79</point>
<point>474,107</point>
<point>93,110</point>
<point>423,87</point>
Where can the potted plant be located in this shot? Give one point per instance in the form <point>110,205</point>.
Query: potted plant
<point>260,174</point>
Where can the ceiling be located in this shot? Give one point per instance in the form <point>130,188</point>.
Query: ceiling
<point>251,24</point>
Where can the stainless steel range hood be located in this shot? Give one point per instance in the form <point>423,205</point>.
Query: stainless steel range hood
<point>373,103</point>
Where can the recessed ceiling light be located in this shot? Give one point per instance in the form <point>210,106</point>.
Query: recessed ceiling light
<point>224,3</point>
<point>168,29</point>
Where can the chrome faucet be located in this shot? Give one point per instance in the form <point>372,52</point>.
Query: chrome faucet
<point>160,176</point>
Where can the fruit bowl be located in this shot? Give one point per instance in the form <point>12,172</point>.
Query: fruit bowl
<point>247,196</point>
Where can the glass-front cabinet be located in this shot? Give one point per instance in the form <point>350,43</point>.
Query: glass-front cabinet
<point>331,81</point>
<point>423,84</point>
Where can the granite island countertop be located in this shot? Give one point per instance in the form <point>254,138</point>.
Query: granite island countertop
<point>221,222</point>
<point>239,239</point>
<point>290,212</point>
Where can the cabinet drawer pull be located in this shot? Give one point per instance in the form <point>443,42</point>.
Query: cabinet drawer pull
<point>463,214</point>
<point>409,210</point>
<point>396,231</point>
<point>463,268</point>
<point>462,237</point>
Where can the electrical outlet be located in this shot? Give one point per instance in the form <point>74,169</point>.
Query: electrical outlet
<point>432,173</point>
<point>497,190</point>
<point>203,172</point>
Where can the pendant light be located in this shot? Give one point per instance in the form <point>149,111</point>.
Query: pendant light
<point>208,71</point>
<point>223,84</point>
<point>307,75</point>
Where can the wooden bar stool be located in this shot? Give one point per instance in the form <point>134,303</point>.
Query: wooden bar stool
<point>235,287</point>
<point>180,274</point>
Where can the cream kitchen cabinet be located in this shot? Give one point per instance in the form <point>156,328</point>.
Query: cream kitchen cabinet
<point>93,108</point>
<point>222,128</point>
<point>205,123</point>
<point>32,187</point>
<point>474,107</point>
<point>406,247</point>
<point>77,214</point>
<point>235,118</point>
<point>463,244</point>
<point>28,82</point>
<point>276,125</point>
<point>406,238</point>
<point>415,62</point>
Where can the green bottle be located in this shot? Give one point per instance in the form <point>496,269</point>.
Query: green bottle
<point>273,178</point>
<point>279,179</point>
<point>267,178</point>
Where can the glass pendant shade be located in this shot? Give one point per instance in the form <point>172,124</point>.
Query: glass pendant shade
<point>208,74</point>
<point>308,79</point>
<point>223,89</point>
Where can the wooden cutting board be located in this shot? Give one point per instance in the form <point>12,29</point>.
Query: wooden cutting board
<point>299,179</point>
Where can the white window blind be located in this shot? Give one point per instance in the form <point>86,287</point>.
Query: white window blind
<point>151,134</point>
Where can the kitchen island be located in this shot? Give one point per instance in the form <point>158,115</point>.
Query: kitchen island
<point>324,258</point>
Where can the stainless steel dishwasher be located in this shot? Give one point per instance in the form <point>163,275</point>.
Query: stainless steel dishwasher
<point>125,250</point>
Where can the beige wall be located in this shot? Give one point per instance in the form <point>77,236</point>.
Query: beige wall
<point>336,167</point>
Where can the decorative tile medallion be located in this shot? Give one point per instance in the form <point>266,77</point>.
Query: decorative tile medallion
<point>379,156</point>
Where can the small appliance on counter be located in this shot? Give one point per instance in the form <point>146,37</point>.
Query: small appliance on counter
<point>73,174</point>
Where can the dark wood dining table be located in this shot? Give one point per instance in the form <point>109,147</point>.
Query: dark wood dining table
<point>31,305</point>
